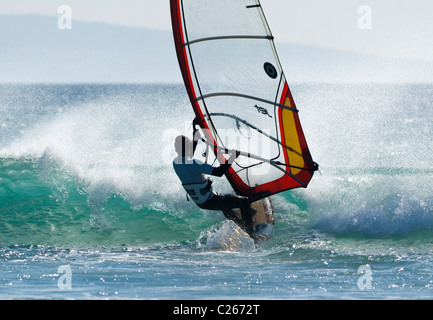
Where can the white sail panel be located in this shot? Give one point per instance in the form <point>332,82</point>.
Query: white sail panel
<point>235,65</point>
<point>209,18</point>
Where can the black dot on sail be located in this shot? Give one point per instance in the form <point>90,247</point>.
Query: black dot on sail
<point>270,70</point>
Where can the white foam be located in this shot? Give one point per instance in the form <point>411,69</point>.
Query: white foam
<point>226,237</point>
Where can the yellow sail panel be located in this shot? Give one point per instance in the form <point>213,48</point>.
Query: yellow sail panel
<point>291,139</point>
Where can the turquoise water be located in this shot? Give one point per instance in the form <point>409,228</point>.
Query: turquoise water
<point>84,183</point>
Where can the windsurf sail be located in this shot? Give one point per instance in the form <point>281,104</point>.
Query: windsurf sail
<point>240,95</point>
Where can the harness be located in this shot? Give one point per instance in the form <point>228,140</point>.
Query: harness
<point>199,192</point>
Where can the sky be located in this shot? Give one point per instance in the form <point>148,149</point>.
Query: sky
<point>400,29</point>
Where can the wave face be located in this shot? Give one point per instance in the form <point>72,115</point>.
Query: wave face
<point>83,164</point>
<point>91,164</point>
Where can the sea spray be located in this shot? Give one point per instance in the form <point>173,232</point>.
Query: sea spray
<point>372,203</point>
<point>103,145</point>
<point>226,237</point>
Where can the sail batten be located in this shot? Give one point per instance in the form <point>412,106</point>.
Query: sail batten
<point>233,37</point>
<point>230,66</point>
<point>228,94</point>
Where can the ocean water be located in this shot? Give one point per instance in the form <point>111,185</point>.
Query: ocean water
<point>90,207</point>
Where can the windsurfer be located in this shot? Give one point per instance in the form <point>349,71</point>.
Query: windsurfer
<point>193,175</point>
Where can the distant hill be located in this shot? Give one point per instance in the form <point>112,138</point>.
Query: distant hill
<point>33,49</point>
<point>306,64</point>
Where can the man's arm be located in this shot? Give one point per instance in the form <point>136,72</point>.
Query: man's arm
<point>222,169</point>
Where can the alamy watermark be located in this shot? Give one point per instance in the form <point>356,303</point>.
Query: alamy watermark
<point>65,20</point>
<point>251,142</point>
<point>365,281</point>
<point>65,280</point>
<point>365,20</point>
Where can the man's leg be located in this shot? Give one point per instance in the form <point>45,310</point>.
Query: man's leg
<point>230,215</point>
<point>247,218</point>
<point>231,201</point>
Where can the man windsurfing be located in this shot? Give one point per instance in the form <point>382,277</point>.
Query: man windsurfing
<point>193,175</point>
